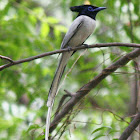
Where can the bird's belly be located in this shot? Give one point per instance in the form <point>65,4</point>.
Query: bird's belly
<point>82,34</point>
<point>78,39</point>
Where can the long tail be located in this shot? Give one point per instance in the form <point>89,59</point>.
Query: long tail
<point>54,87</point>
<point>48,119</point>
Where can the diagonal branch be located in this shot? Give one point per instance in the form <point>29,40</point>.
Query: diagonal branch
<point>62,100</point>
<point>83,91</point>
<point>67,49</point>
<point>133,125</point>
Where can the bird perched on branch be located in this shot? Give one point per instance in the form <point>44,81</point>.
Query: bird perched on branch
<point>81,28</point>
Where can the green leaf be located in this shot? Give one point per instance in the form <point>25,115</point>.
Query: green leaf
<point>44,29</point>
<point>41,137</point>
<point>5,124</point>
<point>34,126</point>
<point>101,128</point>
<point>52,20</point>
<point>61,28</point>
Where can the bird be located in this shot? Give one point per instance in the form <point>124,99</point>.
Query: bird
<point>81,28</point>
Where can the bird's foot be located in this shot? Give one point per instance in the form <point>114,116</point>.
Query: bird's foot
<point>86,45</point>
<point>69,49</point>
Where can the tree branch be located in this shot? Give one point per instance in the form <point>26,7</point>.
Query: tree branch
<point>83,91</point>
<point>62,100</point>
<point>66,50</point>
<point>128,131</point>
<point>6,58</point>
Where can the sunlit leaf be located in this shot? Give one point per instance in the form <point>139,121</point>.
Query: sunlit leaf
<point>32,127</point>
<point>44,29</point>
<point>101,128</point>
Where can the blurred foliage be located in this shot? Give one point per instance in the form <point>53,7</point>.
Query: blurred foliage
<point>32,27</point>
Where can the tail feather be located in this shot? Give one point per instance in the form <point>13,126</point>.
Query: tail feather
<point>54,87</point>
<point>48,122</point>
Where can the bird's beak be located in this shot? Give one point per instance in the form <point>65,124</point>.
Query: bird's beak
<point>99,9</point>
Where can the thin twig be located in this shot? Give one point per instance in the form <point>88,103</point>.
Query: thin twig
<point>6,58</point>
<point>67,49</point>
<point>69,93</point>
<point>62,100</point>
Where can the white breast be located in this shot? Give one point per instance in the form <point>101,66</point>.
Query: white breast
<point>83,32</point>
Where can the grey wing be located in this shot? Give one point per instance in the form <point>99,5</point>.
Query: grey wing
<point>71,32</point>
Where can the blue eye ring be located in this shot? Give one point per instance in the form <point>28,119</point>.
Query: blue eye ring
<point>90,8</point>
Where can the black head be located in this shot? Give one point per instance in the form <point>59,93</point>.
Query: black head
<point>87,10</point>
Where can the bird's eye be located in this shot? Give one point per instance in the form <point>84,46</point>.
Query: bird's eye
<point>90,9</point>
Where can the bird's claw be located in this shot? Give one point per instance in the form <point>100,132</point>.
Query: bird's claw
<point>86,45</point>
<point>69,49</point>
